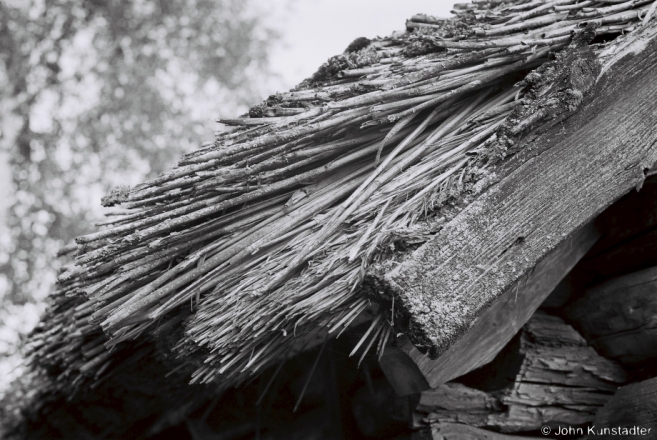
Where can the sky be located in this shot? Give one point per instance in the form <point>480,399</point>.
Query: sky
<point>314,30</point>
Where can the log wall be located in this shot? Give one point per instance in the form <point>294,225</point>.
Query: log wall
<point>559,380</point>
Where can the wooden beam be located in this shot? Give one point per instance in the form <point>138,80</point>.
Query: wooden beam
<point>378,411</point>
<point>633,406</point>
<point>455,431</point>
<point>556,379</point>
<point>557,183</point>
<point>492,330</point>
<point>618,227</point>
<point>619,317</point>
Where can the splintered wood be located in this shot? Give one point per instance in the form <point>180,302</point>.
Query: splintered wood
<point>558,379</point>
<point>454,431</point>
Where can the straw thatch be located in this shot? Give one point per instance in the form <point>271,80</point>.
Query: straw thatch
<point>254,247</point>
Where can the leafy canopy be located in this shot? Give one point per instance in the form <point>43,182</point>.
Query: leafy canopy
<point>98,93</point>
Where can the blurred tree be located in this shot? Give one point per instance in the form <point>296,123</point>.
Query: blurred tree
<point>97,93</point>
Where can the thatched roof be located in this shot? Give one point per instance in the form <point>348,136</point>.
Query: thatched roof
<point>255,246</point>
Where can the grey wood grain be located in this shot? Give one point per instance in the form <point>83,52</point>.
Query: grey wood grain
<point>561,180</point>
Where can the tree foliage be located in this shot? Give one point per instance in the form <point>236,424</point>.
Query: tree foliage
<point>98,93</point>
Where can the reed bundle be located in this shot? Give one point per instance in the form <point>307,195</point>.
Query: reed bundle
<point>264,236</point>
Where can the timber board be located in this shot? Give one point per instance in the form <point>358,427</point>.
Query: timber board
<point>561,180</point>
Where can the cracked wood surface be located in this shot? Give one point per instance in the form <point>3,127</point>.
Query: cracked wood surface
<point>409,371</point>
<point>558,380</point>
<point>561,180</point>
<point>634,405</point>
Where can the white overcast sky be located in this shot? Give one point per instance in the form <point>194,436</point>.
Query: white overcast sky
<point>314,30</point>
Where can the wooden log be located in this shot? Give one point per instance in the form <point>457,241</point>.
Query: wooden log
<point>561,294</point>
<point>632,412</point>
<point>618,227</point>
<point>558,182</point>
<point>625,244</point>
<point>559,381</point>
<point>619,317</point>
<point>629,241</point>
<point>492,330</point>
<point>455,431</point>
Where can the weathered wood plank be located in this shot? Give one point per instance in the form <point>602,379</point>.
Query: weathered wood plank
<point>619,317</point>
<point>559,182</point>
<point>633,406</point>
<point>618,227</point>
<point>559,381</point>
<point>491,331</point>
<point>456,403</point>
